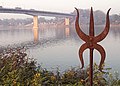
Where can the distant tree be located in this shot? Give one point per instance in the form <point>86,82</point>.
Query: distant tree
<point>5,22</point>
<point>115,19</point>
<point>42,20</point>
<point>0,22</point>
<point>99,17</point>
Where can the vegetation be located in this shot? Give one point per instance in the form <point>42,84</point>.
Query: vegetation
<point>17,69</point>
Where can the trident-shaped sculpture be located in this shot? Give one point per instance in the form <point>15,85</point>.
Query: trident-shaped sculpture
<point>91,41</point>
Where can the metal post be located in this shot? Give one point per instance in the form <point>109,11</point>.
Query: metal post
<point>91,33</point>
<point>91,42</point>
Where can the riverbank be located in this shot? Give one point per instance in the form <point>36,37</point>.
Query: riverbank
<point>17,68</point>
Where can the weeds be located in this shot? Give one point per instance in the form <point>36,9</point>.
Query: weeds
<point>17,69</point>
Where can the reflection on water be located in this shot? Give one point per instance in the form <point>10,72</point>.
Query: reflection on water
<point>59,46</point>
<point>15,36</point>
<point>36,37</point>
<point>67,31</point>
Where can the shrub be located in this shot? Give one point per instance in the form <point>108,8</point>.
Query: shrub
<point>17,69</point>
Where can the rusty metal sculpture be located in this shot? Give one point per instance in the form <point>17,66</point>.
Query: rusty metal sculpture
<point>91,41</point>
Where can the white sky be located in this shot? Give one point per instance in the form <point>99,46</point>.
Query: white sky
<point>64,6</point>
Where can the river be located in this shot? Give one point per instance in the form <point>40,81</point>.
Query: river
<point>58,46</point>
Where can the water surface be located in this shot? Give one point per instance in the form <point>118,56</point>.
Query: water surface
<point>58,46</point>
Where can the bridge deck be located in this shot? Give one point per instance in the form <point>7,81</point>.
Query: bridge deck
<point>35,12</point>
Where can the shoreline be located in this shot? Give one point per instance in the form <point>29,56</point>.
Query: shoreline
<point>51,25</point>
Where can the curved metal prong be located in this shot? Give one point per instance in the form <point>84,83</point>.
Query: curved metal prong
<point>101,36</point>
<point>81,50</point>
<point>103,55</point>
<point>80,33</point>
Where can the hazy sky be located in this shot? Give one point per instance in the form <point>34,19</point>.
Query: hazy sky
<point>65,6</point>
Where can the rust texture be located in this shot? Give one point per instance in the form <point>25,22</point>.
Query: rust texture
<point>91,41</point>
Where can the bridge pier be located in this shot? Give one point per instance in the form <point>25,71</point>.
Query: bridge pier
<point>35,22</point>
<point>35,28</point>
<point>67,21</point>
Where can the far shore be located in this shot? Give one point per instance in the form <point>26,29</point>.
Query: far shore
<point>2,27</point>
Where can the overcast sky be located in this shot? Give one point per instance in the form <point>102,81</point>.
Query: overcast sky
<point>65,6</point>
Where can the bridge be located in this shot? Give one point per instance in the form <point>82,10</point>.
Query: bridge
<point>36,13</point>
